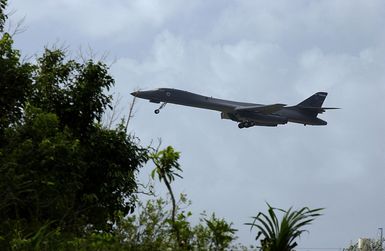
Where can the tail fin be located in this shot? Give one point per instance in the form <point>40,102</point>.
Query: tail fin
<point>312,106</point>
<point>315,101</point>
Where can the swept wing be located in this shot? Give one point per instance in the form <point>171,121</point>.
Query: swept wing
<point>265,109</point>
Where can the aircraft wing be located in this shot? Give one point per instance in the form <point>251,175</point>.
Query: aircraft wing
<point>267,109</point>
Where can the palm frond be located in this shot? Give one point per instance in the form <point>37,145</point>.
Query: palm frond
<point>280,235</point>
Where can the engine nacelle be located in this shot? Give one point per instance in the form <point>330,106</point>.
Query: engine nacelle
<point>224,115</point>
<point>231,116</point>
<point>264,118</point>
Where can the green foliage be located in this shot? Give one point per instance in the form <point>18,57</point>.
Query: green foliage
<point>3,17</point>
<point>42,239</point>
<point>72,90</point>
<point>221,233</point>
<point>166,164</point>
<point>15,84</point>
<point>57,163</point>
<point>211,234</point>
<point>281,235</point>
<point>151,229</point>
<point>166,167</point>
<point>148,229</point>
<point>39,172</point>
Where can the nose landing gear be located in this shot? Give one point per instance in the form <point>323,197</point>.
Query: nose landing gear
<point>161,107</point>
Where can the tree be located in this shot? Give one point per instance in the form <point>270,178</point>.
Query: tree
<point>281,235</point>
<point>151,229</point>
<point>217,235</point>
<point>15,79</point>
<point>15,84</point>
<point>3,17</point>
<point>60,169</point>
<point>166,168</point>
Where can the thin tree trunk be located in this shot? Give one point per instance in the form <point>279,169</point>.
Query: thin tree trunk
<point>176,229</point>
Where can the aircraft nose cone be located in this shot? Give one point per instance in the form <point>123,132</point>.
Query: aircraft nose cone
<point>135,94</point>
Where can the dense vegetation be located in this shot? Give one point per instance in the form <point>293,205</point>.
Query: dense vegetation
<point>69,183</point>
<point>59,168</point>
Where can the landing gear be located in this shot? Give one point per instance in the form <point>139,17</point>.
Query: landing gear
<point>246,124</point>
<point>157,111</point>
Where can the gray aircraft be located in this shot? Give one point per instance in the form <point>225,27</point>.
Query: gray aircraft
<point>246,114</point>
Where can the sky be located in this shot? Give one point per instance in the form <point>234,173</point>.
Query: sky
<point>255,51</point>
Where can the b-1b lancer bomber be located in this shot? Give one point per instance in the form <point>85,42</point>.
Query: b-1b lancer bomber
<point>246,114</point>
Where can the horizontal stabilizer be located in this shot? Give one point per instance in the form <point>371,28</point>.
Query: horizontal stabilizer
<point>267,109</point>
<point>316,109</point>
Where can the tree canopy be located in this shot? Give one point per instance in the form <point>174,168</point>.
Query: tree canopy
<point>59,167</point>
<point>3,17</point>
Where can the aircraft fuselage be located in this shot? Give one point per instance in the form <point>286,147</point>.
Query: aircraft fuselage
<point>247,114</point>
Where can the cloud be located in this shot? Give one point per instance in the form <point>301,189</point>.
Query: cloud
<point>285,166</point>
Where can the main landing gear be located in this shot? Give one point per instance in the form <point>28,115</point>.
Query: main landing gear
<point>246,124</point>
<point>161,107</point>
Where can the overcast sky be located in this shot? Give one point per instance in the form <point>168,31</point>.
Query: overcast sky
<point>255,51</point>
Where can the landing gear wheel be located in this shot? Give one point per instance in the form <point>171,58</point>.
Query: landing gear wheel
<point>241,125</point>
<point>161,107</point>
<point>249,124</point>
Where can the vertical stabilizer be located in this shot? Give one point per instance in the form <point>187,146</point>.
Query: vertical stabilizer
<point>316,100</point>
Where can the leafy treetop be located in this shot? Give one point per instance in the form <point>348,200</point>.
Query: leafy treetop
<point>59,167</point>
